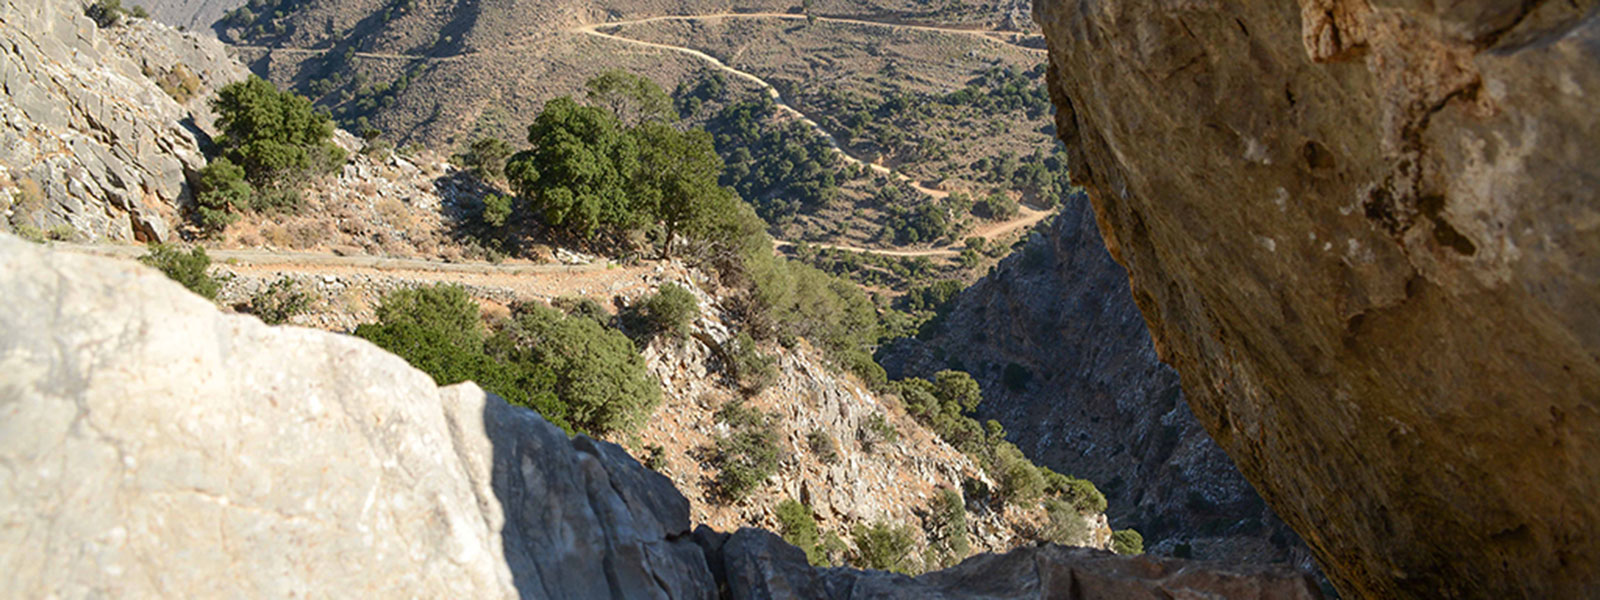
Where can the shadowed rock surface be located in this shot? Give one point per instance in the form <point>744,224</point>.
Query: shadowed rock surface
<point>1097,402</point>
<point>157,447</point>
<point>1364,234</point>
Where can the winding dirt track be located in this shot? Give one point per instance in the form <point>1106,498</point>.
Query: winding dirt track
<point>1027,218</point>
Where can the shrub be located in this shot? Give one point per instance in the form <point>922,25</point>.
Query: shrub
<point>753,369</point>
<point>823,446</point>
<point>188,268</point>
<point>582,307</point>
<point>496,210</point>
<point>995,207</point>
<point>280,301</point>
<point>670,311</point>
<point>655,457</point>
<point>1020,481</point>
<point>883,547</point>
<point>599,376</point>
<point>799,527</point>
<point>947,527</point>
<point>222,194</point>
<point>486,158</point>
<point>748,454</point>
<point>1127,542</point>
<point>438,331</point>
<point>1064,525</point>
<point>1080,493</point>
<point>877,430</point>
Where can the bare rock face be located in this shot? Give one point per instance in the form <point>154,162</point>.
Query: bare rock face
<point>1364,234</point>
<point>93,137</point>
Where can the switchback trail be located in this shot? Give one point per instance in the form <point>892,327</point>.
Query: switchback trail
<point>1027,217</point>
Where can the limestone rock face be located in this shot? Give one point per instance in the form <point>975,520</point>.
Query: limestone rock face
<point>89,139</point>
<point>1364,234</point>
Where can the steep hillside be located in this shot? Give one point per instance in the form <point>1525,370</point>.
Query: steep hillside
<point>1067,366</point>
<point>101,128</point>
<point>1364,234</point>
<point>158,447</point>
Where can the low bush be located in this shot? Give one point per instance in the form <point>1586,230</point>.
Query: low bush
<point>947,527</point>
<point>748,454</point>
<point>753,369</point>
<point>877,431</point>
<point>1064,524</point>
<point>823,446</point>
<point>1127,542</point>
<point>799,527</point>
<point>187,268</point>
<point>884,547</point>
<point>669,311</point>
<point>280,301</point>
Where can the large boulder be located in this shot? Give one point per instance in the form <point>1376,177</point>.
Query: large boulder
<point>1365,235</point>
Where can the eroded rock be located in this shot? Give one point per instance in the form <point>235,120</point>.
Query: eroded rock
<point>1364,235</point>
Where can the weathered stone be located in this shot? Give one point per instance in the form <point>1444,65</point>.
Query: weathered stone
<point>1364,236</point>
<point>81,99</point>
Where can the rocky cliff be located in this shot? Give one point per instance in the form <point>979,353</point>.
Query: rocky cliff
<point>100,129</point>
<point>157,447</point>
<point>1096,401</point>
<point>1364,234</point>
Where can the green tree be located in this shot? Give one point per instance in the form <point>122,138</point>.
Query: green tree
<point>676,180</point>
<point>277,137</point>
<point>188,268</point>
<point>1020,481</point>
<point>496,210</point>
<point>576,175</point>
<point>632,98</point>
<point>957,390</point>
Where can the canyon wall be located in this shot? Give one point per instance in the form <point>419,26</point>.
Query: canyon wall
<point>1364,233</point>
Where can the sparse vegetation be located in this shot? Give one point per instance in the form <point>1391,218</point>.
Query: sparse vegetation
<point>188,268</point>
<point>947,528</point>
<point>753,369</point>
<point>669,311</point>
<point>748,454</point>
<point>885,547</point>
<point>877,431</point>
<point>110,13</point>
<point>1064,524</point>
<point>280,301</point>
<point>799,527</point>
<point>823,446</point>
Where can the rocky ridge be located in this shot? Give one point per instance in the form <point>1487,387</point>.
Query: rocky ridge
<point>1097,403</point>
<point>1363,232</point>
<point>159,447</point>
<point>101,129</point>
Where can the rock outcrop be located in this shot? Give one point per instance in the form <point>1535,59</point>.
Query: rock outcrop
<point>100,129</point>
<point>157,447</point>
<point>1096,402</point>
<point>1364,233</point>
